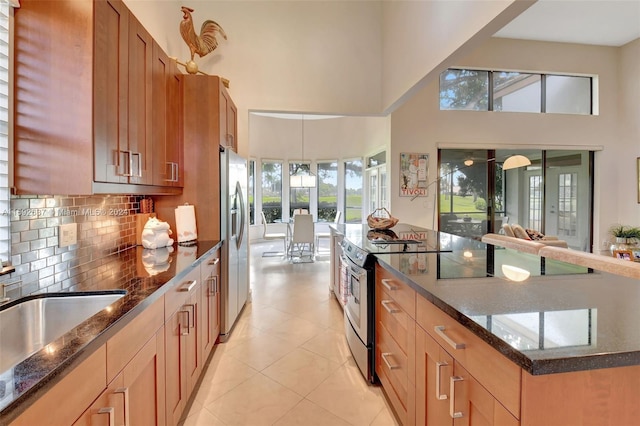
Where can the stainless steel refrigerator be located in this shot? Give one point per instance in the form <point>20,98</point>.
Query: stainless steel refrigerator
<point>234,232</point>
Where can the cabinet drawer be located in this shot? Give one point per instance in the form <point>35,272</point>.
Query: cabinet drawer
<point>178,294</point>
<point>393,363</point>
<point>211,265</point>
<point>498,375</point>
<point>128,341</point>
<point>400,292</point>
<point>394,318</point>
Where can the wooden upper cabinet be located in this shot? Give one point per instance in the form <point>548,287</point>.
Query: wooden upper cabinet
<point>83,103</point>
<point>122,96</point>
<point>111,107</point>
<point>167,120</point>
<point>228,120</point>
<point>139,96</point>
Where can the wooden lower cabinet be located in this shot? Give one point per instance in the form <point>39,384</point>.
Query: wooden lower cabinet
<point>446,394</point>
<point>183,350</point>
<point>144,380</point>
<point>146,372</point>
<point>136,395</point>
<point>109,408</point>
<point>395,343</point>
<point>210,277</point>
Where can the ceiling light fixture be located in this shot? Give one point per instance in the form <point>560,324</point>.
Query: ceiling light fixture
<point>516,161</point>
<point>302,177</point>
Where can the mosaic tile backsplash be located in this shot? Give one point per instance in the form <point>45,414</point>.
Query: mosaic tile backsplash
<point>106,225</point>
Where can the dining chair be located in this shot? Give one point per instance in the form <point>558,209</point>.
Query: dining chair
<point>327,235</point>
<point>266,235</point>
<point>301,248</point>
<point>300,211</point>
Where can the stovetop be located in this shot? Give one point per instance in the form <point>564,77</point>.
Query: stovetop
<point>402,238</point>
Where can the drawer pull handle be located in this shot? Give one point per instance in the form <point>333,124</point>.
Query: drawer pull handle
<point>387,284</point>
<point>213,262</point>
<point>452,401</point>
<point>188,328</point>
<point>213,287</point>
<point>439,394</point>
<point>109,411</point>
<point>439,329</point>
<point>188,286</point>
<point>386,361</point>
<point>125,394</point>
<point>385,304</point>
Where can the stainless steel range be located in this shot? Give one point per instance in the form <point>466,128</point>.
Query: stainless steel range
<point>357,282</point>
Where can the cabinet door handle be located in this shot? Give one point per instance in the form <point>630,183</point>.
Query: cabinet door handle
<point>175,172</point>
<point>188,286</point>
<point>109,411</point>
<point>385,304</point>
<point>192,307</point>
<point>213,289</point>
<point>439,394</point>
<point>171,165</point>
<point>129,164</point>
<point>384,356</point>
<point>439,329</point>
<point>213,262</point>
<point>188,328</point>
<point>387,284</point>
<point>139,155</point>
<point>125,394</point>
<point>452,401</point>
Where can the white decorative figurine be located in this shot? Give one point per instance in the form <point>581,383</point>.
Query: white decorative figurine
<point>156,234</point>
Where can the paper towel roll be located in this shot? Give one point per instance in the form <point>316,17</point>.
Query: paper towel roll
<point>186,223</point>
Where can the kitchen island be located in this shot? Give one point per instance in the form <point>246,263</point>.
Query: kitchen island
<point>456,338</point>
<point>146,284</point>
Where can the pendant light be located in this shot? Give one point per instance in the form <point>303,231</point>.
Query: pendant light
<point>302,178</point>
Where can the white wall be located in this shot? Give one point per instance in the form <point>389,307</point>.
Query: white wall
<point>629,147</point>
<point>420,125</point>
<point>310,56</point>
<point>422,36</point>
<point>326,56</point>
<point>324,139</point>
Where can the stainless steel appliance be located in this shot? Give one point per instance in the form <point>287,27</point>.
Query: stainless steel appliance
<point>234,232</point>
<point>357,291</point>
<point>357,280</point>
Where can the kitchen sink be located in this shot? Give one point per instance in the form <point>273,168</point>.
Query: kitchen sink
<point>33,322</point>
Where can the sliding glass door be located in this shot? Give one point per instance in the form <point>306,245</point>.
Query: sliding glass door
<point>553,195</point>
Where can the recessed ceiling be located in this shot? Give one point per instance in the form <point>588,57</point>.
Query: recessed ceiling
<point>597,22</point>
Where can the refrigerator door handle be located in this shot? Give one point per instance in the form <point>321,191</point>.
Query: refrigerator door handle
<point>240,200</point>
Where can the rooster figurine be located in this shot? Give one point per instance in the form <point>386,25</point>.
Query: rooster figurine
<point>201,44</point>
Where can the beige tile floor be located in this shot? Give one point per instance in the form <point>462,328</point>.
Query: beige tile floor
<point>287,362</point>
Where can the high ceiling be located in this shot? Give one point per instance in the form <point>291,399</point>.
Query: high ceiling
<point>599,22</point>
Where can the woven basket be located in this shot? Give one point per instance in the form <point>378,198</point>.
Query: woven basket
<point>376,221</point>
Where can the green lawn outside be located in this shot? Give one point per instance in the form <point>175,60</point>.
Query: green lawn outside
<point>464,205</point>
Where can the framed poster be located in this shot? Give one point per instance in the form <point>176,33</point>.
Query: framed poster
<point>413,174</point>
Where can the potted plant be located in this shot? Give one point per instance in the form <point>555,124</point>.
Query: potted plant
<point>626,236</point>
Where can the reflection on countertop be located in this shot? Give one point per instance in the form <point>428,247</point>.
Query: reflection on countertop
<point>142,273</point>
<point>562,318</point>
<point>559,318</point>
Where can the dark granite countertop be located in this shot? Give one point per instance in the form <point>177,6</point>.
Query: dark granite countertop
<point>132,270</point>
<point>562,318</point>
